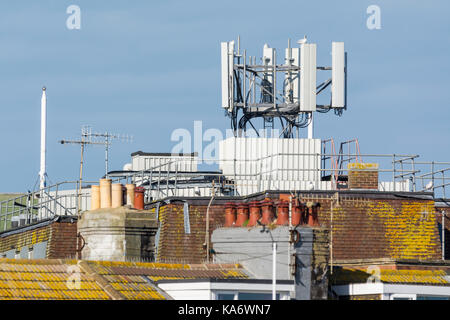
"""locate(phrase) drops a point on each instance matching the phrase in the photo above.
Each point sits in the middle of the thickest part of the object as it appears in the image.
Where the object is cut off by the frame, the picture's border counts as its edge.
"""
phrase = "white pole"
(274, 272)
(311, 127)
(43, 138)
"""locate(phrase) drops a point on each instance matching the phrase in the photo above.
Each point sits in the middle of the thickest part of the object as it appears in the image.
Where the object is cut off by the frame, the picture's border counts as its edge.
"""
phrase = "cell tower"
(286, 91)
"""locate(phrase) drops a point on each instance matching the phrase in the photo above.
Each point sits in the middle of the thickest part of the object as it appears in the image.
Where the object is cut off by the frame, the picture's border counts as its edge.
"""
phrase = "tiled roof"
(72, 279)
(410, 276)
(45, 279)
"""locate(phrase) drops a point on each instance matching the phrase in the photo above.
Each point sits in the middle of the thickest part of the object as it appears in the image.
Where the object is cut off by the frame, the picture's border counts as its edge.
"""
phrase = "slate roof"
(74, 279)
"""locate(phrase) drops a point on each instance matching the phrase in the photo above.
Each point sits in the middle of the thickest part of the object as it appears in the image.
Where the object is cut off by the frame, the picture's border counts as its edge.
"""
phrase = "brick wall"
(175, 244)
(63, 242)
(446, 210)
(363, 176)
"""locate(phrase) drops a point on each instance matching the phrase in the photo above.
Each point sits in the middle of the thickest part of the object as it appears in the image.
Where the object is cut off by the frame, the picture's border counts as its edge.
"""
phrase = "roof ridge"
(101, 281)
(30, 261)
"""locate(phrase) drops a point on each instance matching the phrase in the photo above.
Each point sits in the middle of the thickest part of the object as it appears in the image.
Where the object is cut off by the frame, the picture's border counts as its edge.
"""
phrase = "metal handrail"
(38, 205)
(159, 183)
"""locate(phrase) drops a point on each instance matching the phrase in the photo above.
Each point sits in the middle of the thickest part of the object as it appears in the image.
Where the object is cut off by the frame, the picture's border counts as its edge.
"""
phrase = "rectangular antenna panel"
(308, 70)
(268, 57)
(227, 60)
(293, 79)
(338, 75)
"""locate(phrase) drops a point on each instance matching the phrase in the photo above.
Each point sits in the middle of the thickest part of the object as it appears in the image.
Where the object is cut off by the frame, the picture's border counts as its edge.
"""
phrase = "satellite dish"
(429, 185)
(310, 185)
(128, 167)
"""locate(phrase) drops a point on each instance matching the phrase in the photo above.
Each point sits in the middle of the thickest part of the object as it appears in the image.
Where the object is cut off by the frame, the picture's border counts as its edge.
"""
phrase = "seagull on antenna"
(302, 41)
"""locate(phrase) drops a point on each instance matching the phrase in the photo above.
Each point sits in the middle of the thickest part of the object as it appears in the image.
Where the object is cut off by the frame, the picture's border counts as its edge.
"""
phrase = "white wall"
(206, 290)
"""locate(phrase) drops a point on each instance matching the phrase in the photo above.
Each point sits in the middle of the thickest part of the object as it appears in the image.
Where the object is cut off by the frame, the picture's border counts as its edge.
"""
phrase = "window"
(256, 296)
(398, 296)
(432, 298)
(233, 295)
(225, 296)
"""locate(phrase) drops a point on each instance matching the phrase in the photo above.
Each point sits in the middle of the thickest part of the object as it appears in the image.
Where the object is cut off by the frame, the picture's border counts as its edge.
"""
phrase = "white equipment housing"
(257, 164)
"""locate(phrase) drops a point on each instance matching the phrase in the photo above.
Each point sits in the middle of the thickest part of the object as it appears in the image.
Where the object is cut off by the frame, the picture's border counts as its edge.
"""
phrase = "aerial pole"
(311, 127)
(42, 171)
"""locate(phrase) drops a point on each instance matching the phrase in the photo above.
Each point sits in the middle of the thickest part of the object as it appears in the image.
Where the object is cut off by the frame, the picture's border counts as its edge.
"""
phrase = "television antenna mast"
(86, 139)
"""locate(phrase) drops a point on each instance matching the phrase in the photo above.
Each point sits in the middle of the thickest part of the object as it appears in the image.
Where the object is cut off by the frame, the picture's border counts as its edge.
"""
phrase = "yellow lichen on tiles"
(142, 295)
(152, 265)
(157, 278)
(410, 230)
(233, 274)
(18, 241)
(357, 275)
(414, 276)
(362, 166)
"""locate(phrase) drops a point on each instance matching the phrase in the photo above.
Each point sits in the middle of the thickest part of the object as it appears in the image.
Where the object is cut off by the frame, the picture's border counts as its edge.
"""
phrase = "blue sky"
(148, 67)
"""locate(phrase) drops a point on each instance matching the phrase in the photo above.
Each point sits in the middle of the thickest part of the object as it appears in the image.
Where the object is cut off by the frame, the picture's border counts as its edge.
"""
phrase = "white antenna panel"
(292, 79)
(338, 75)
(268, 59)
(268, 54)
(308, 69)
(227, 60)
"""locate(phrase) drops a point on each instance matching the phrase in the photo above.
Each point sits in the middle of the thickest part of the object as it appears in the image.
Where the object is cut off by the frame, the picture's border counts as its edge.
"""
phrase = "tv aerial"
(91, 138)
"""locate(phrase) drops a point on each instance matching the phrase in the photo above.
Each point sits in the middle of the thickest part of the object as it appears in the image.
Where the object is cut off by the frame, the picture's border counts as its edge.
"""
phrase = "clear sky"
(146, 68)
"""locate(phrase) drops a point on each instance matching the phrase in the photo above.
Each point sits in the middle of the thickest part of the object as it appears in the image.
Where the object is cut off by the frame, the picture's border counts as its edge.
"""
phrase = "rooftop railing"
(273, 172)
(60, 199)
